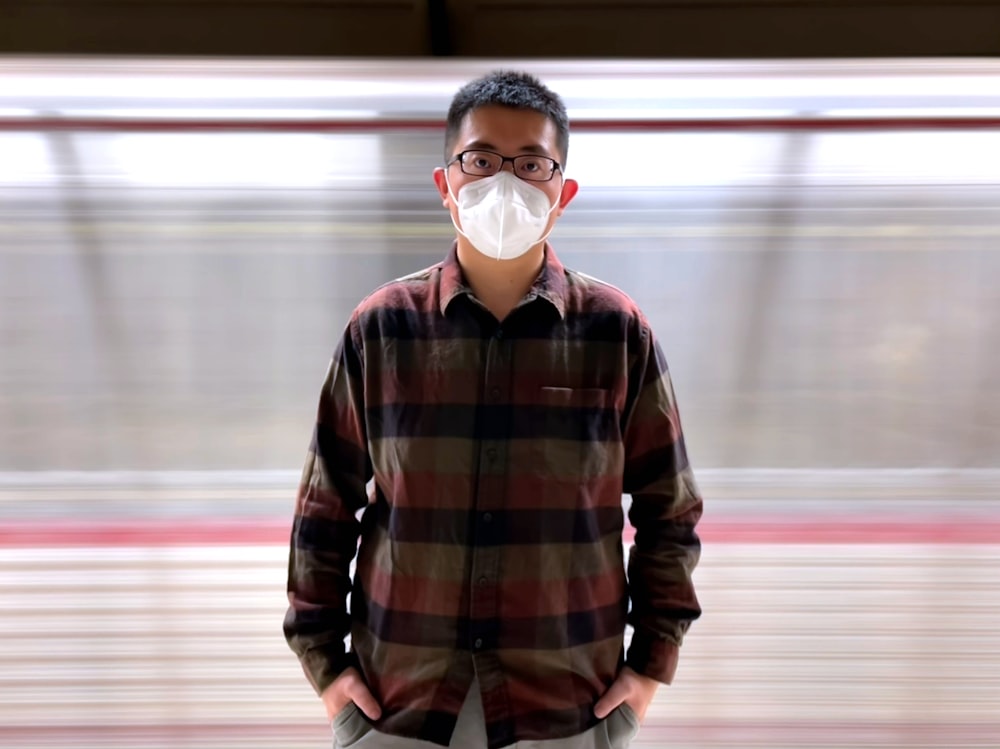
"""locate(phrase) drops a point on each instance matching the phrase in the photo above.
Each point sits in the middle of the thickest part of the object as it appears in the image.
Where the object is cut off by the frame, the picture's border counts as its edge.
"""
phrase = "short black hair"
(507, 88)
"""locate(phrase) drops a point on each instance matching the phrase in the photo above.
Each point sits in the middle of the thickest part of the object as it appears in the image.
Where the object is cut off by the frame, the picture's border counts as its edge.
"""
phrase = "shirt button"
(499, 334)
(491, 454)
(483, 580)
(495, 394)
(478, 643)
(487, 517)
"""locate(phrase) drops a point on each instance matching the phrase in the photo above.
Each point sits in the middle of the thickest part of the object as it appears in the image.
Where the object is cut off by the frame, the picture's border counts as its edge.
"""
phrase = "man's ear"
(569, 190)
(441, 182)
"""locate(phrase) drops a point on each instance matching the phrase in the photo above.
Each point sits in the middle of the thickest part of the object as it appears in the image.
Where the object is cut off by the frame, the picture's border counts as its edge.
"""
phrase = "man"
(502, 404)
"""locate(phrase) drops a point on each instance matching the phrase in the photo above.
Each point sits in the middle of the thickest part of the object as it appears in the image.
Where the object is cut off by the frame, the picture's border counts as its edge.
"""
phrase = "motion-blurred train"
(814, 243)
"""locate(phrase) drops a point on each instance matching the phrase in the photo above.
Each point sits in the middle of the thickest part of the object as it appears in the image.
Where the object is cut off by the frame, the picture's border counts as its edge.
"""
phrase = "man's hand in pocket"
(630, 687)
(346, 688)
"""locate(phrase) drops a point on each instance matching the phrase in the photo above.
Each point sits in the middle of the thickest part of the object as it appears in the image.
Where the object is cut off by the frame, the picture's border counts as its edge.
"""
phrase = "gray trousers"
(350, 730)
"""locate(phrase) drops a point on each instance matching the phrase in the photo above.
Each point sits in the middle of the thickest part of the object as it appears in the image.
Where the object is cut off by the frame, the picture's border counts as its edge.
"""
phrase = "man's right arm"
(325, 530)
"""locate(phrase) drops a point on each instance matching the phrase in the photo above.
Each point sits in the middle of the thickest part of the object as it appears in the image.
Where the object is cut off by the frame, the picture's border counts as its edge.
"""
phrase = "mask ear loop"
(455, 201)
(549, 213)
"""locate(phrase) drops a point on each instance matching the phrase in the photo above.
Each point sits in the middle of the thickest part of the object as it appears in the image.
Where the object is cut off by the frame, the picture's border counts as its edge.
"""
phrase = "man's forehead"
(508, 130)
(494, 122)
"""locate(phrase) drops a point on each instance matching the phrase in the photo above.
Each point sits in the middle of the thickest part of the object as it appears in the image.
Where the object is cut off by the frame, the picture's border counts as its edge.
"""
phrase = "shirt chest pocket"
(575, 433)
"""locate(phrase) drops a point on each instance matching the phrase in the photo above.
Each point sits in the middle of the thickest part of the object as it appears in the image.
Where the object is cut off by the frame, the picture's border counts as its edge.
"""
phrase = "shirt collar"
(550, 284)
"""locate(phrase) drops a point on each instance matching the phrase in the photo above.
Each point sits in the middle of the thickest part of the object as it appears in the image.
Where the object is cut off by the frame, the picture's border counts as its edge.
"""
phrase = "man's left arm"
(666, 506)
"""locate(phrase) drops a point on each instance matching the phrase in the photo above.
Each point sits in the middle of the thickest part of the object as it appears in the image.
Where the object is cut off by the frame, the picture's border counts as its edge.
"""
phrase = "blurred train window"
(674, 159)
(746, 159)
(25, 160)
(942, 157)
(235, 160)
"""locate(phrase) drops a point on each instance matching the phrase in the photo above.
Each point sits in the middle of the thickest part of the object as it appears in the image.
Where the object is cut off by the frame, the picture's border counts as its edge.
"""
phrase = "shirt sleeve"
(665, 508)
(325, 530)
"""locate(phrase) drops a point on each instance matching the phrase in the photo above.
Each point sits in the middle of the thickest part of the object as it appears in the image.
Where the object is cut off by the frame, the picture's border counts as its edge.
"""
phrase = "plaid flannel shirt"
(491, 543)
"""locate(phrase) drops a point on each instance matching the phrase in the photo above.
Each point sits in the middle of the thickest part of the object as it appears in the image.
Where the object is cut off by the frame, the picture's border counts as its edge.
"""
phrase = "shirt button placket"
(489, 500)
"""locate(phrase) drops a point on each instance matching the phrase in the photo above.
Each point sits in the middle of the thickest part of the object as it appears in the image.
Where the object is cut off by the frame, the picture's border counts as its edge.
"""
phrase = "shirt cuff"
(653, 657)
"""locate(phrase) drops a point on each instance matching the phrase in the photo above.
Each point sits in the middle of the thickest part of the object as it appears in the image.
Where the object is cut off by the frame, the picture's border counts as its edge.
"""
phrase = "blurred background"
(814, 241)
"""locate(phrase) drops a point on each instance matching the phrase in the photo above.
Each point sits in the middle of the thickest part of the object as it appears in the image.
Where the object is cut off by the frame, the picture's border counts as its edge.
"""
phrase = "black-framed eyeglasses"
(531, 167)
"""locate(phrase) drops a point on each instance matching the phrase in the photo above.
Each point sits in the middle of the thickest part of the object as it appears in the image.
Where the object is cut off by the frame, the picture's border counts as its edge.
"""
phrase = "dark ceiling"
(504, 28)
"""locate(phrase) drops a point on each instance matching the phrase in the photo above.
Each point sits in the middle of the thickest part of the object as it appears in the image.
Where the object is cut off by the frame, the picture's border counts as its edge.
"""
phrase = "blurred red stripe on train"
(732, 530)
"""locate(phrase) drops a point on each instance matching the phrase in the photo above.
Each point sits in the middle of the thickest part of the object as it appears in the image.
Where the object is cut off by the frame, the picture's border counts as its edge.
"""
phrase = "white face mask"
(502, 216)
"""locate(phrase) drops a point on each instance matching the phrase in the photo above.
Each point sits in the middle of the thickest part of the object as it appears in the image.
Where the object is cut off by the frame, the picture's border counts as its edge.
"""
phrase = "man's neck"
(500, 284)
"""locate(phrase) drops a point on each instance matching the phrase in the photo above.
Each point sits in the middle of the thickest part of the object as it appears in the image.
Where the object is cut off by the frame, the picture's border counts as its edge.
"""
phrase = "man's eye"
(534, 167)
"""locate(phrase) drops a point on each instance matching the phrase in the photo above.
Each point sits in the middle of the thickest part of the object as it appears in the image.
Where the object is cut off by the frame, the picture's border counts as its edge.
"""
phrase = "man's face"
(510, 132)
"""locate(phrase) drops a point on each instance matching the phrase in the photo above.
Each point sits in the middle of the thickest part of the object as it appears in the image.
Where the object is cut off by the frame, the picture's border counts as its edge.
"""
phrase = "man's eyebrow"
(482, 145)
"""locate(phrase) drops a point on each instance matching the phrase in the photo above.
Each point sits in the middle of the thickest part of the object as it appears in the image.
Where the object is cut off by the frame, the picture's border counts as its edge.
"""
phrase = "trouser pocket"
(349, 727)
(622, 726)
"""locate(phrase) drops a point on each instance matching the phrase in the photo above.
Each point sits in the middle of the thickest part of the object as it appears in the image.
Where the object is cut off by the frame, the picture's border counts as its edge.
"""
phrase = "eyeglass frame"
(556, 166)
